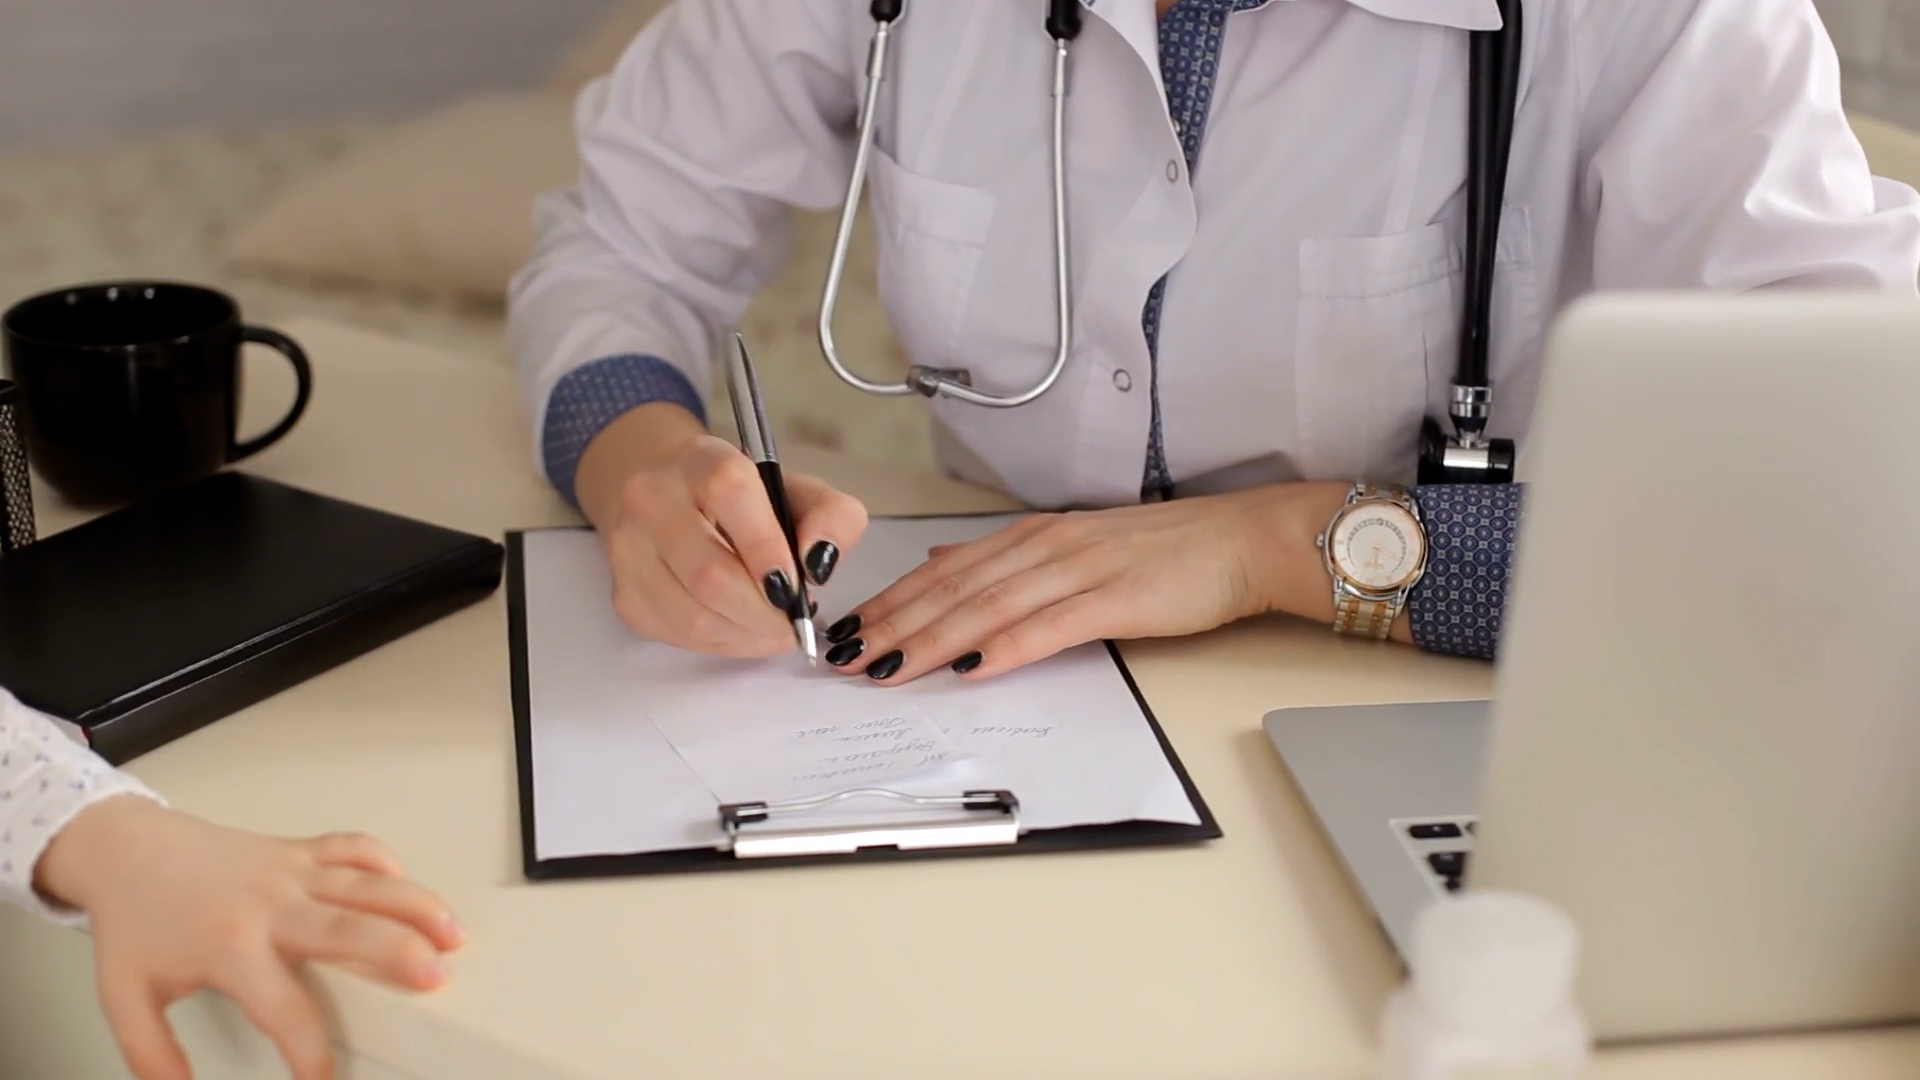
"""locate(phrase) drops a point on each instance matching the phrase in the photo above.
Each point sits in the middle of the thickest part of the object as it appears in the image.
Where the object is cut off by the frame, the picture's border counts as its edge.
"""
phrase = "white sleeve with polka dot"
(45, 779)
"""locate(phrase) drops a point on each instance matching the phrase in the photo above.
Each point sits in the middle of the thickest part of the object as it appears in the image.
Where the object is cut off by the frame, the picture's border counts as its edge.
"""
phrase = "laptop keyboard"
(1440, 847)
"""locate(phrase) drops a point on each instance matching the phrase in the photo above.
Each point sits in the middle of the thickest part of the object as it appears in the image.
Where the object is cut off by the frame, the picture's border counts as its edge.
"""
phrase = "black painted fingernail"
(844, 629)
(779, 590)
(821, 559)
(886, 665)
(846, 652)
(968, 662)
(813, 608)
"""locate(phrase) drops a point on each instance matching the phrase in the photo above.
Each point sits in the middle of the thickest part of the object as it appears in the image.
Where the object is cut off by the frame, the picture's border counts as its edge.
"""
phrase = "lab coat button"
(1173, 171)
(1122, 381)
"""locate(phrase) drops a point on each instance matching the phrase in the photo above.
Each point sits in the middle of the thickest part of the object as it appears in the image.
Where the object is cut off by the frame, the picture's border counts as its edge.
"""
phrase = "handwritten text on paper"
(852, 738)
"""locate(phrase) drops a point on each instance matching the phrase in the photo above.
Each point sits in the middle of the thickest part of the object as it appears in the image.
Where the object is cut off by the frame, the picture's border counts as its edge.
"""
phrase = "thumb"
(828, 522)
(136, 1015)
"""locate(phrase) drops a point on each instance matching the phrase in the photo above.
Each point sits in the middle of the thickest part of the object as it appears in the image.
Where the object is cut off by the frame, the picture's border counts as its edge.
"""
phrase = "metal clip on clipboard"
(992, 817)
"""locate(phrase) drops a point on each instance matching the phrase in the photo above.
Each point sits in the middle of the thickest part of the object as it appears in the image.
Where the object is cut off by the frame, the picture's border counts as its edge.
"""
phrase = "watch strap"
(1360, 616)
(1391, 492)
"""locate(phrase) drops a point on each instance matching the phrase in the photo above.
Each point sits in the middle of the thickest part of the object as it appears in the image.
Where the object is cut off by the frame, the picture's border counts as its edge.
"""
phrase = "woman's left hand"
(1050, 582)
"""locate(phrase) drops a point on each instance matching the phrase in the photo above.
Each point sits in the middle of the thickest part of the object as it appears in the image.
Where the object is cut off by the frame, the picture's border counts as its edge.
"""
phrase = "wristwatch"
(1376, 551)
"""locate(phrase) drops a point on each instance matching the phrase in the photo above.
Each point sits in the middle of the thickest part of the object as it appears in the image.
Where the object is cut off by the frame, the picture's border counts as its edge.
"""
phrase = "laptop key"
(1440, 831)
(1450, 864)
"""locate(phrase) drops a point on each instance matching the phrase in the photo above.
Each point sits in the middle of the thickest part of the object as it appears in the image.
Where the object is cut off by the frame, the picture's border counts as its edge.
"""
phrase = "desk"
(1249, 958)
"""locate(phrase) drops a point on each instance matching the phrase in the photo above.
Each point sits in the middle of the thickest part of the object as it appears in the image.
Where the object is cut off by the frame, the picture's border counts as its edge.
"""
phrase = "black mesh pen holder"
(16, 491)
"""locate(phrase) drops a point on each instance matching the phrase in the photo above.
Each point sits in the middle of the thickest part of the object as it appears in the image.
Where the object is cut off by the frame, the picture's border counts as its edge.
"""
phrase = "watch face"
(1377, 546)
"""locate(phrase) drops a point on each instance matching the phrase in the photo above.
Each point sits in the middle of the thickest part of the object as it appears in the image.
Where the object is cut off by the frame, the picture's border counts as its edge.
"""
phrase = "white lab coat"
(1311, 318)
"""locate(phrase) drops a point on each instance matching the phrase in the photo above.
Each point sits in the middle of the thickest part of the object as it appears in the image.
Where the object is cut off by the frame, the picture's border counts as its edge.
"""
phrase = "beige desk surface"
(1249, 958)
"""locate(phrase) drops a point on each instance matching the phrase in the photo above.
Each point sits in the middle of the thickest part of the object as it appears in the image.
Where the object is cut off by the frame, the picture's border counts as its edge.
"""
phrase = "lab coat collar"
(1456, 14)
(1136, 22)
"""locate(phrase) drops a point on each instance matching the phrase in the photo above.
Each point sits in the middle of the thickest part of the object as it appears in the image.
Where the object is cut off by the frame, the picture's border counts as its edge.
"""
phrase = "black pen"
(756, 440)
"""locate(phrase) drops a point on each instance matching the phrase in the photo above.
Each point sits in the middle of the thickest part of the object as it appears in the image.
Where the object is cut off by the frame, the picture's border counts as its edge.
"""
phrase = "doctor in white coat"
(1266, 217)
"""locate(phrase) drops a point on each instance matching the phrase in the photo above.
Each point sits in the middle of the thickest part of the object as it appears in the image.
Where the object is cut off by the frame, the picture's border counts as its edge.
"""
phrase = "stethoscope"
(1466, 456)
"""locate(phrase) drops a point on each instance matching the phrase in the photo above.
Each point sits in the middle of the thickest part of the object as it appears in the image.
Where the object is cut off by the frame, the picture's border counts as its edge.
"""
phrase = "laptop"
(1704, 735)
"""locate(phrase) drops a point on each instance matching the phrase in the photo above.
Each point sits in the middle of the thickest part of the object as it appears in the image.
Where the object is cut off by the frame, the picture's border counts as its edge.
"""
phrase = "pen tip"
(808, 640)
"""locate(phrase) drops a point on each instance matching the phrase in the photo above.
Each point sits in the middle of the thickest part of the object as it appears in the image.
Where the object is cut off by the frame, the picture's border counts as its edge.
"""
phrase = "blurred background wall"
(1879, 46)
(76, 72)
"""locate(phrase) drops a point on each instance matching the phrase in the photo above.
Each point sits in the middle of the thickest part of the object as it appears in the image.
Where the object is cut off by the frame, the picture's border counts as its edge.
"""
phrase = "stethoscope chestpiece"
(1448, 460)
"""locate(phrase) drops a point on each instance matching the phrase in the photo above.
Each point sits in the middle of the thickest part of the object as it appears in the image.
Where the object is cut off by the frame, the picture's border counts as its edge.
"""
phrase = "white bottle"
(1492, 994)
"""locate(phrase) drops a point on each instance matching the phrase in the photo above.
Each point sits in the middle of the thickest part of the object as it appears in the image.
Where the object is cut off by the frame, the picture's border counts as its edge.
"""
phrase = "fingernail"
(968, 662)
(846, 652)
(886, 665)
(779, 590)
(813, 608)
(432, 971)
(821, 559)
(453, 928)
(843, 629)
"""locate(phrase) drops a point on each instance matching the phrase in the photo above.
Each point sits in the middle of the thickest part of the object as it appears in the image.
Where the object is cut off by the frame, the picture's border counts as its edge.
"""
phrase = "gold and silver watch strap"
(1361, 617)
(1367, 489)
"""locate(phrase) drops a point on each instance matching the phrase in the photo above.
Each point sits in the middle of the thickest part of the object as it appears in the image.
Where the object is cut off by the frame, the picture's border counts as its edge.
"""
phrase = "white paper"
(1066, 735)
(753, 747)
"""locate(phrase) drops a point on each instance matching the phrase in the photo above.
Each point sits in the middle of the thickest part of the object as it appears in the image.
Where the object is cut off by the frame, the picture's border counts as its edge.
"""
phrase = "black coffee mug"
(130, 388)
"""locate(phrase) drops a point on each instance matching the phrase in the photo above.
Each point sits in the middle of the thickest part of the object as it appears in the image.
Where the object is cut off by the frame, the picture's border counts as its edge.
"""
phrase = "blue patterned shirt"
(1457, 606)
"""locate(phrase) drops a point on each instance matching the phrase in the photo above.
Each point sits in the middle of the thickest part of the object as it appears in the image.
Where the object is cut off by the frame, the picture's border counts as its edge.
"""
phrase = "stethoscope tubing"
(1062, 25)
(1496, 72)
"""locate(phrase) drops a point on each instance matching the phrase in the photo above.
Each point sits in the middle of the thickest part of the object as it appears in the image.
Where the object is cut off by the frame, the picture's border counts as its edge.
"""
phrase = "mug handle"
(302, 371)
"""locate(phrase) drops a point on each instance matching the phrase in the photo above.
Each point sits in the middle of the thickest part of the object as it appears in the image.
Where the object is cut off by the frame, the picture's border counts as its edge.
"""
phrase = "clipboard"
(769, 834)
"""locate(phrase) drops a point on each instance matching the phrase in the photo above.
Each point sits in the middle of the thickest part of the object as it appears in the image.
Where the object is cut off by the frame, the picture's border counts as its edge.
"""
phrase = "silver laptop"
(1704, 741)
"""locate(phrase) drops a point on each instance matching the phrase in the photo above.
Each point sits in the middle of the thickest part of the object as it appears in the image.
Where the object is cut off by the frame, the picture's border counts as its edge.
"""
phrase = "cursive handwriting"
(1010, 731)
(922, 751)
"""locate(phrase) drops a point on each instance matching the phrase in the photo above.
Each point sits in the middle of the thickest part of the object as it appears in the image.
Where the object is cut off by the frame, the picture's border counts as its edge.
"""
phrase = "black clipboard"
(1119, 835)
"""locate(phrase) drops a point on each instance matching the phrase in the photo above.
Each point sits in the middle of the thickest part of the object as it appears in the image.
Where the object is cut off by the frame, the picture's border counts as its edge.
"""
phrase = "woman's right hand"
(699, 560)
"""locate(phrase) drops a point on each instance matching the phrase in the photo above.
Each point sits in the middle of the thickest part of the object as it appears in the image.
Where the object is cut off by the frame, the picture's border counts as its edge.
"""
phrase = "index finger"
(830, 522)
(137, 1017)
(740, 504)
(356, 850)
(393, 898)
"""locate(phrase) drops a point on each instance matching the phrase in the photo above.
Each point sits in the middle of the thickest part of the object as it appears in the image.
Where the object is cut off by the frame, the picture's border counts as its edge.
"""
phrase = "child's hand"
(178, 904)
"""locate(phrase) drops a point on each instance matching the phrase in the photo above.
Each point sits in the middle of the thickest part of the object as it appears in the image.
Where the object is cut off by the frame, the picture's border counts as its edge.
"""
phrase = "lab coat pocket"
(929, 235)
(1376, 342)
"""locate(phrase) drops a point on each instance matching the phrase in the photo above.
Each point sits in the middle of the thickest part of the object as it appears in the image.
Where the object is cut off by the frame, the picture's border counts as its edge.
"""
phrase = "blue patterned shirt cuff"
(1457, 607)
(594, 395)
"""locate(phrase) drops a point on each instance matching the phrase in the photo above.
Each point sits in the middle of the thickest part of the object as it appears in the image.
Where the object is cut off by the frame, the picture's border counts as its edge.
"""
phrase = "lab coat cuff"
(594, 395)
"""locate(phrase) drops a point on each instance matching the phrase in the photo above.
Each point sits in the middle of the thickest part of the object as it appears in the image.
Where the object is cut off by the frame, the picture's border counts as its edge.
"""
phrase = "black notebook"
(152, 621)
